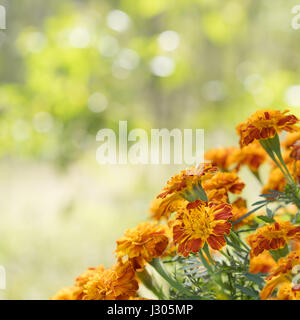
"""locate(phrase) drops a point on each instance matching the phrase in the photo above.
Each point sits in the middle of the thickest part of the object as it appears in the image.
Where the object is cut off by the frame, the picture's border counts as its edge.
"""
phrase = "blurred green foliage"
(69, 68)
(232, 56)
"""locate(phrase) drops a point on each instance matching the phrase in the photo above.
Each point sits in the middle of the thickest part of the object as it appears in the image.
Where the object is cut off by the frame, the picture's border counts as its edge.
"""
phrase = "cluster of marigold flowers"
(195, 209)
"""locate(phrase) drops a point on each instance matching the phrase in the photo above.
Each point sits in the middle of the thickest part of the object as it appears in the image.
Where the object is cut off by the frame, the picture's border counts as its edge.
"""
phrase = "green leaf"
(270, 213)
(255, 278)
(247, 291)
(266, 219)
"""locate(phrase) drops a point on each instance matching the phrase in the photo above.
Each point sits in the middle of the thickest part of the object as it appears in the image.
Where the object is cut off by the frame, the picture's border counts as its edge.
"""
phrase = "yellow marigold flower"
(163, 208)
(280, 274)
(75, 292)
(264, 124)
(263, 263)
(117, 283)
(288, 291)
(86, 275)
(186, 179)
(70, 293)
(220, 157)
(220, 184)
(272, 237)
(239, 209)
(202, 222)
(143, 243)
(252, 156)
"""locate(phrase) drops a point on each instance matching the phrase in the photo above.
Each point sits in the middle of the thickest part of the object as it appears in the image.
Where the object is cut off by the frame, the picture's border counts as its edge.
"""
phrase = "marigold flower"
(252, 156)
(202, 222)
(76, 292)
(220, 184)
(143, 243)
(288, 291)
(186, 179)
(239, 209)
(220, 157)
(163, 208)
(117, 283)
(272, 237)
(263, 263)
(280, 274)
(264, 124)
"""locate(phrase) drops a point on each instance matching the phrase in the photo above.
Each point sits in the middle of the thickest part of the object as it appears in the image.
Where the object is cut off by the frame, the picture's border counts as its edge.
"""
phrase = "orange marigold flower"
(87, 275)
(220, 184)
(263, 263)
(280, 274)
(220, 157)
(252, 156)
(117, 283)
(76, 292)
(288, 291)
(264, 124)
(202, 222)
(143, 243)
(186, 179)
(163, 208)
(272, 237)
(239, 209)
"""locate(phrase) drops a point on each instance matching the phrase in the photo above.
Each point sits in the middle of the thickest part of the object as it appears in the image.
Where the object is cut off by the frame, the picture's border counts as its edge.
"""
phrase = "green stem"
(237, 238)
(147, 281)
(204, 262)
(157, 265)
(268, 148)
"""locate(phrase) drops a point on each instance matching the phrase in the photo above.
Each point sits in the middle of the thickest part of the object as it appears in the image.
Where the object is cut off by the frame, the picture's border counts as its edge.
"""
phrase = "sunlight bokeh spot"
(162, 66)
(79, 38)
(97, 102)
(128, 59)
(118, 20)
(169, 40)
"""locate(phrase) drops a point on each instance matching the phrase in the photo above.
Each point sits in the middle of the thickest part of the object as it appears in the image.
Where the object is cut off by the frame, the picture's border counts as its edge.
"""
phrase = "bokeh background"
(70, 68)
